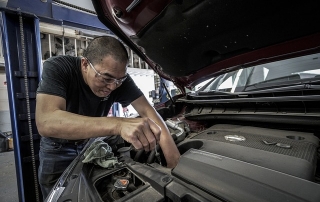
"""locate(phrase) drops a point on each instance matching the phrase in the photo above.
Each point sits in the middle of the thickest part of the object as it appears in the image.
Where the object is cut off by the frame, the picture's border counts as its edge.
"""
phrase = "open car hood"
(189, 41)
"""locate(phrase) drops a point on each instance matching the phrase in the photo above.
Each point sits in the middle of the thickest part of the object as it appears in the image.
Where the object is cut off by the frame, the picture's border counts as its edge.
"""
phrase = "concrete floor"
(8, 180)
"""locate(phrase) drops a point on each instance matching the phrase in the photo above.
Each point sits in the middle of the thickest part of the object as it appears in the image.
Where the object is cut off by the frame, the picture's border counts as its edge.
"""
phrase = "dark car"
(249, 133)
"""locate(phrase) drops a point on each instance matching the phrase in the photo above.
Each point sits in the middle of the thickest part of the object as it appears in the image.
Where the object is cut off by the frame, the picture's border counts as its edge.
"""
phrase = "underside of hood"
(192, 40)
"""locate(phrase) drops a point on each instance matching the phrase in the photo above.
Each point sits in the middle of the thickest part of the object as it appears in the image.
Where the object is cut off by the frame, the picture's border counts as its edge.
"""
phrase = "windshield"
(266, 75)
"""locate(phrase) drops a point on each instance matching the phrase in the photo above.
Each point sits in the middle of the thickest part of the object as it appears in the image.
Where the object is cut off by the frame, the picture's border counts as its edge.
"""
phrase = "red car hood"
(192, 40)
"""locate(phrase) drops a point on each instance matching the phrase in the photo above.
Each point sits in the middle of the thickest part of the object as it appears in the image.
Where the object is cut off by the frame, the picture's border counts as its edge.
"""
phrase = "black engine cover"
(289, 152)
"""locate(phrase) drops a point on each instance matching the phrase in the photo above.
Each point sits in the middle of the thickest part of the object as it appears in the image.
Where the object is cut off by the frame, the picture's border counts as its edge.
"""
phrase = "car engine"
(221, 160)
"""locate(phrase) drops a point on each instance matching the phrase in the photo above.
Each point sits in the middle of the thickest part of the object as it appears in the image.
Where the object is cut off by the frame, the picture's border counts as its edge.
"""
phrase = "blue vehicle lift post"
(22, 54)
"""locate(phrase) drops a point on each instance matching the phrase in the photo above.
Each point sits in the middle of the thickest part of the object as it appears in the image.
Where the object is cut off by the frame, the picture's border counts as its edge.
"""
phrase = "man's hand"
(142, 133)
(168, 146)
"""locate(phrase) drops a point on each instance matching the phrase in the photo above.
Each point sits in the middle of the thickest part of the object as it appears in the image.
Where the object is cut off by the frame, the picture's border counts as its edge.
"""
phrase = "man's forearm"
(167, 144)
(66, 125)
(169, 148)
(142, 133)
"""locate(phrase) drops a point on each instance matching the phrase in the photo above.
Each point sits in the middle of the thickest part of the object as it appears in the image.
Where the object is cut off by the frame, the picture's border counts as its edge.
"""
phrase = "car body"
(250, 133)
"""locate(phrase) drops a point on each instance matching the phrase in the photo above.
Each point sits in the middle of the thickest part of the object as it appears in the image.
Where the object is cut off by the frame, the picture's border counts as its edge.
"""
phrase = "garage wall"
(144, 79)
(5, 123)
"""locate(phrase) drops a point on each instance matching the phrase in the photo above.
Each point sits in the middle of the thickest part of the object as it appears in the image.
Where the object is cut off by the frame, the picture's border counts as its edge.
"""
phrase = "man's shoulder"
(62, 62)
(63, 58)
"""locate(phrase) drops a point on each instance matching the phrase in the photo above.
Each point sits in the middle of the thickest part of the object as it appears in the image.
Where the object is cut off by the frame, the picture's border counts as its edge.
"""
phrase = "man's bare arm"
(167, 143)
(53, 121)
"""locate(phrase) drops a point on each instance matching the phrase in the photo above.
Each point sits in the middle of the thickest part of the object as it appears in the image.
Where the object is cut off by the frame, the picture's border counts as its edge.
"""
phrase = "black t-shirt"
(61, 76)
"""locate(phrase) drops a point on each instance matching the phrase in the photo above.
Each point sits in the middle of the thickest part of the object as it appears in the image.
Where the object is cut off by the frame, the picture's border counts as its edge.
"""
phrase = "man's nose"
(112, 86)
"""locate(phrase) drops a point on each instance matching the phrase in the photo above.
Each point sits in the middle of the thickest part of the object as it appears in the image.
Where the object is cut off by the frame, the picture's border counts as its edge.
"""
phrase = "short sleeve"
(54, 79)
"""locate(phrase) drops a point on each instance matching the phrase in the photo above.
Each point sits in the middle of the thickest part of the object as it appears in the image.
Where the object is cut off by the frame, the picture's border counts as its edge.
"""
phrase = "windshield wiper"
(214, 92)
(309, 83)
(271, 82)
(280, 88)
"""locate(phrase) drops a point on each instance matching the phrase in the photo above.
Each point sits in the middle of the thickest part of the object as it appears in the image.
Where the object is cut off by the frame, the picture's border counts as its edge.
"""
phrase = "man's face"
(104, 77)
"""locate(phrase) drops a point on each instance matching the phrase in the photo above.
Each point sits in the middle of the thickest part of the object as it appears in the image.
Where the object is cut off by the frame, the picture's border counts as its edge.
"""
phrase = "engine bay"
(220, 161)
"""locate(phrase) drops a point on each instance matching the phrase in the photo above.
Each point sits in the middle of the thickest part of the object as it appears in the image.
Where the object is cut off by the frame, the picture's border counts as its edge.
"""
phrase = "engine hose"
(151, 157)
(138, 155)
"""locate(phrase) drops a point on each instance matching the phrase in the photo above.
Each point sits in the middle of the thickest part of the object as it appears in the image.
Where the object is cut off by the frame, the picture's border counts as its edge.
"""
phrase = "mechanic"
(73, 101)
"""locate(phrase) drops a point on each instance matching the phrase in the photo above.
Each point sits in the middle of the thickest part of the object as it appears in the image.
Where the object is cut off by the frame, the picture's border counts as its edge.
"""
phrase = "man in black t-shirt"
(73, 101)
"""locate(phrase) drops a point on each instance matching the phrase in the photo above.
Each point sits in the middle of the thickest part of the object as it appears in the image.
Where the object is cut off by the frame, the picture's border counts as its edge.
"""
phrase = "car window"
(305, 67)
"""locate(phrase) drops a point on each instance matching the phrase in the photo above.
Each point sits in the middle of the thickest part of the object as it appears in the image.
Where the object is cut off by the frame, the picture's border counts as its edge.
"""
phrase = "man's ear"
(84, 64)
